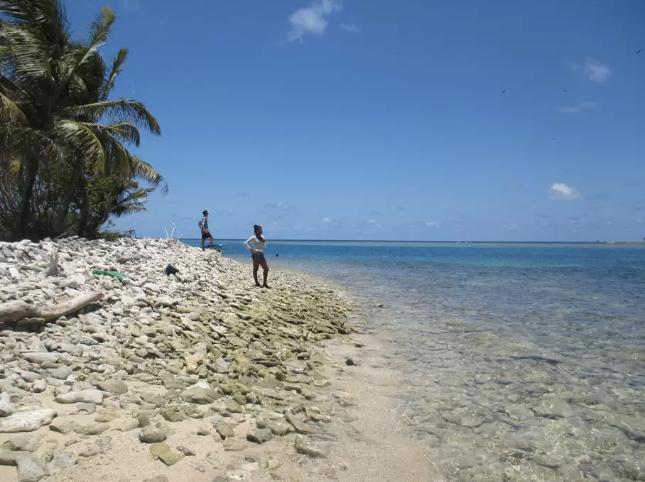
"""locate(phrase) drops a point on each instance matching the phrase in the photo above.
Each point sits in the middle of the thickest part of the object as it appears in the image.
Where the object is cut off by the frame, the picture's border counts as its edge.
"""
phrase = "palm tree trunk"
(31, 172)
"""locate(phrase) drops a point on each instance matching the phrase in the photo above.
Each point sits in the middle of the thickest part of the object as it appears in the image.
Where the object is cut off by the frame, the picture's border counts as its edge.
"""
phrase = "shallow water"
(519, 361)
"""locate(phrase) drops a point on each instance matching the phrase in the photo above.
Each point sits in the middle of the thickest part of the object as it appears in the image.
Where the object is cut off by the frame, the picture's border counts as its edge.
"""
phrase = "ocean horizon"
(313, 240)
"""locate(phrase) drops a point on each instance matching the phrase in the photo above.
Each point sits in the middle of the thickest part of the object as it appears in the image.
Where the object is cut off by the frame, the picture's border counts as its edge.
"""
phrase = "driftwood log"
(18, 310)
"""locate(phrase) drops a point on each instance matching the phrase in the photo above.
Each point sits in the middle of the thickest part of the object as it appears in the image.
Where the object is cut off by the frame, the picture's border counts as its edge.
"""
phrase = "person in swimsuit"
(256, 244)
(203, 226)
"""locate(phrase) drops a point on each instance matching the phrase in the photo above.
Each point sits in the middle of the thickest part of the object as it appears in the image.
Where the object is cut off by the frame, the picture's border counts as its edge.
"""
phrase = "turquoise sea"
(519, 361)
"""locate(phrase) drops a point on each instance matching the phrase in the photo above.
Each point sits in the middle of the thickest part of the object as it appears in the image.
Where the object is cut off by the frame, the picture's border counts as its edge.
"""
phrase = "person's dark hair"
(204, 212)
(256, 230)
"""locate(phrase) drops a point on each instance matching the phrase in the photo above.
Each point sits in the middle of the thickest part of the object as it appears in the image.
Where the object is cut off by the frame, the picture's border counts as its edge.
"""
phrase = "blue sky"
(412, 120)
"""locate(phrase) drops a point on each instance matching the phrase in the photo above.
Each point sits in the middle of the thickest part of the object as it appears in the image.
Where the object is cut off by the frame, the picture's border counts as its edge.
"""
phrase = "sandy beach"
(194, 376)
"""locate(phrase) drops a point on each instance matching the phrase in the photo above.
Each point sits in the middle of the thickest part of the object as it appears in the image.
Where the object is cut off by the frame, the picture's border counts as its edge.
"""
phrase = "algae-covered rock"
(199, 395)
(166, 454)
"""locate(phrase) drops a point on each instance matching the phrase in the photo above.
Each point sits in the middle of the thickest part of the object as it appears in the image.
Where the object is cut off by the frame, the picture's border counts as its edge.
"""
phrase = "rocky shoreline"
(190, 376)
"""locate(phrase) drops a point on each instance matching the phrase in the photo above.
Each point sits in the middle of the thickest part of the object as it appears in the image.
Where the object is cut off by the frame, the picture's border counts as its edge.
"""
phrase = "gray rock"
(89, 450)
(87, 396)
(6, 407)
(259, 436)
(299, 425)
(30, 376)
(279, 427)
(27, 421)
(30, 469)
(22, 443)
(303, 447)
(85, 408)
(8, 458)
(185, 450)
(91, 429)
(115, 387)
(234, 444)
(225, 430)
(199, 395)
(172, 414)
(39, 386)
(41, 357)
(62, 426)
(152, 434)
(65, 459)
(126, 424)
(61, 373)
(232, 406)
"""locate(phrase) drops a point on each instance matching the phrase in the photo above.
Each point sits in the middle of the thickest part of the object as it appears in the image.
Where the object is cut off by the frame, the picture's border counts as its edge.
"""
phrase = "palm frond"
(10, 112)
(98, 35)
(15, 166)
(131, 202)
(25, 55)
(120, 131)
(145, 171)
(47, 16)
(117, 67)
(118, 110)
(84, 140)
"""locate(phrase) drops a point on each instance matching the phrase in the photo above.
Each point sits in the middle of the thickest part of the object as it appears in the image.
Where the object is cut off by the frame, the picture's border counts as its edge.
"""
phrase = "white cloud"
(433, 224)
(595, 71)
(579, 107)
(563, 192)
(325, 220)
(311, 19)
(375, 224)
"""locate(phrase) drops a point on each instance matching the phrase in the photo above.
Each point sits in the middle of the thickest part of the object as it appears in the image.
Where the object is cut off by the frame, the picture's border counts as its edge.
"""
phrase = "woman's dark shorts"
(258, 257)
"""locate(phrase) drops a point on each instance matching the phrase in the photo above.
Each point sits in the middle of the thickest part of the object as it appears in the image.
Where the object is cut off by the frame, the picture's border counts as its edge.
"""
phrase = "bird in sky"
(639, 51)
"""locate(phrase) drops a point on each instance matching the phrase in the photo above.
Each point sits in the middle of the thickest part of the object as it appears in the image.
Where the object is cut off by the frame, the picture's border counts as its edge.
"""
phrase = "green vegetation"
(65, 167)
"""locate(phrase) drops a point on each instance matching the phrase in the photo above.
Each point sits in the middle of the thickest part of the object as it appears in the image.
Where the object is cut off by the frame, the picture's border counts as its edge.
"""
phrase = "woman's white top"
(254, 244)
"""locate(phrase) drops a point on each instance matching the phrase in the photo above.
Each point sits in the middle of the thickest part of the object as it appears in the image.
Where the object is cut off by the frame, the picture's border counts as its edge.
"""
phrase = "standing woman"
(256, 245)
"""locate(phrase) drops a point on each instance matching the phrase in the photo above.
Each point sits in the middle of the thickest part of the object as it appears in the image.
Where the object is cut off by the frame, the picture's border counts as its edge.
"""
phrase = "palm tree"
(61, 136)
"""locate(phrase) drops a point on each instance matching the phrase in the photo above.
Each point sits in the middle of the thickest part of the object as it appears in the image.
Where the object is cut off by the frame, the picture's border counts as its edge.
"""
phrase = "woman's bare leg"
(265, 269)
(256, 265)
